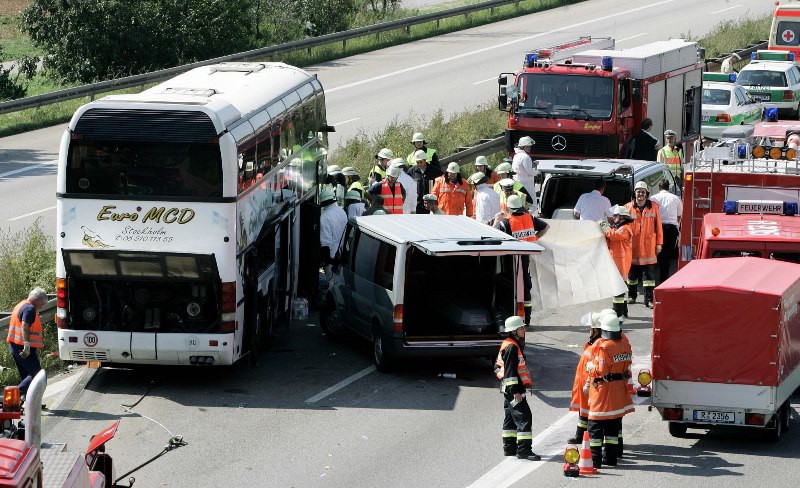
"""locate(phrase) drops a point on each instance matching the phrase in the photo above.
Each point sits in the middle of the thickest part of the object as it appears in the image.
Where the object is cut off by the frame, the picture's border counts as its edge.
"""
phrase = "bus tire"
(266, 319)
(329, 320)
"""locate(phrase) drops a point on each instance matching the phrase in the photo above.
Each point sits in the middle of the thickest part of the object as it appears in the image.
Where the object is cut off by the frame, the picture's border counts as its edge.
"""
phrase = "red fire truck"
(737, 206)
(582, 98)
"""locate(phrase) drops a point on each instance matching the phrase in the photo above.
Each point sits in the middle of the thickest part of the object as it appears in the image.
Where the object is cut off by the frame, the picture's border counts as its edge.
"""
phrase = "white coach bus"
(183, 212)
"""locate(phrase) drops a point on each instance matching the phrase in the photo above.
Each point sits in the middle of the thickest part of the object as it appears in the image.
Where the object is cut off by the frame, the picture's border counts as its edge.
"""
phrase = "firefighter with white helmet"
(580, 384)
(352, 181)
(424, 175)
(390, 190)
(336, 181)
(525, 168)
(453, 192)
(487, 201)
(409, 185)
(382, 159)
(619, 238)
(482, 166)
(504, 172)
(418, 140)
(648, 238)
(609, 399)
(353, 204)
(511, 369)
(332, 224)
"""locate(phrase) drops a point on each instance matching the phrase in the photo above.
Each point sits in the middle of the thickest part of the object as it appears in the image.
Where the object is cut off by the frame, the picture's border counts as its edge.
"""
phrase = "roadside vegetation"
(730, 35)
(27, 260)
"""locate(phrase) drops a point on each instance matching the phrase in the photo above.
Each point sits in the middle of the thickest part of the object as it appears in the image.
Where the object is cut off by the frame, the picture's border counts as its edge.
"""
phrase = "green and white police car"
(773, 79)
(725, 104)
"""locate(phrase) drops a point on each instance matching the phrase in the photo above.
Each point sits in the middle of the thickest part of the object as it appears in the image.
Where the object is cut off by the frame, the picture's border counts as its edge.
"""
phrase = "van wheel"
(329, 320)
(786, 415)
(380, 356)
(677, 429)
(774, 433)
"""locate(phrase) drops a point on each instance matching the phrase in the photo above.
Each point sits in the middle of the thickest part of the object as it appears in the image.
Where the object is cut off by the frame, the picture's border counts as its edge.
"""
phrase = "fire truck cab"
(584, 99)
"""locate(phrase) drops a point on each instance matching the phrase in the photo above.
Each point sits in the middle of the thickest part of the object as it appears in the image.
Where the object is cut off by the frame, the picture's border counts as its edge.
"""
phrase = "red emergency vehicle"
(582, 98)
(759, 195)
(785, 31)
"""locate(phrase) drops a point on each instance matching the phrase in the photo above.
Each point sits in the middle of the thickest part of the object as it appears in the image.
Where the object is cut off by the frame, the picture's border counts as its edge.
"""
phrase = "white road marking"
(27, 168)
(484, 81)
(341, 384)
(725, 9)
(497, 46)
(632, 37)
(346, 121)
(549, 444)
(32, 213)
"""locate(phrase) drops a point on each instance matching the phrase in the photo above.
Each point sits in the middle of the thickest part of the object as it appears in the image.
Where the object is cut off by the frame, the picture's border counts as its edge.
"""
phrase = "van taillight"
(788, 95)
(228, 308)
(397, 319)
(521, 310)
(755, 419)
(673, 414)
(61, 303)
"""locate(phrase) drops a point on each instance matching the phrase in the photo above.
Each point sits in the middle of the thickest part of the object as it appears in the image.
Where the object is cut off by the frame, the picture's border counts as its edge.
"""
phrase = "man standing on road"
(391, 190)
(25, 336)
(525, 169)
(619, 238)
(423, 175)
(671, 155)
(609, 399)
(648, 238)
(594, 205)
(511, 370)
(646, 144)
(671, 210)
(580, 385)
(487, 201)
(332, 224)
(455, 197)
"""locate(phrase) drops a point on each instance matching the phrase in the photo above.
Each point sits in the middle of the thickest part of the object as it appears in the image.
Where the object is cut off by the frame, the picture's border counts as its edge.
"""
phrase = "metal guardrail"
(51, 305)
(714, 64)
(485, 147)
(139, 80)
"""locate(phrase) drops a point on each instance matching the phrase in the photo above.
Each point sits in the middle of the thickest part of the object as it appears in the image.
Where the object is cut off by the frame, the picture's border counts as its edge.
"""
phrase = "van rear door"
(485, 246)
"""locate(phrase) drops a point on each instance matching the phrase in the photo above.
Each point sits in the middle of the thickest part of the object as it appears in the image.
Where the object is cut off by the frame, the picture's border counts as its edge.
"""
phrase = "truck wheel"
(774, 433)
(329, 320)
(786, 415)
(677, 429)
(380, 356)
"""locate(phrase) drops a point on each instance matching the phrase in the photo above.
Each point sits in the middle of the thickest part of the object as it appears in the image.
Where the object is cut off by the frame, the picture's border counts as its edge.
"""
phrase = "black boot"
(524, 451)
(597, 456)
(578, 436)
(509, 446)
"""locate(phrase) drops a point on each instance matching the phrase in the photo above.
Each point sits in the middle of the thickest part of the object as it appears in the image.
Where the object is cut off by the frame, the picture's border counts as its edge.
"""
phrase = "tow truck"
(584, 99)
(26, 462)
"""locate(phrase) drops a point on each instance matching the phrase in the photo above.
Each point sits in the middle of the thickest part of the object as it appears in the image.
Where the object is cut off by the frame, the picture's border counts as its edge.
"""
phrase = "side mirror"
(502, 99)
(502, 80)
(636, 91)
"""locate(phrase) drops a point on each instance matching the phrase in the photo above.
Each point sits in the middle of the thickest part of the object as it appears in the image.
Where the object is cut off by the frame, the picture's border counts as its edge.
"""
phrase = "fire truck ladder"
(566, 50)
(701, 205)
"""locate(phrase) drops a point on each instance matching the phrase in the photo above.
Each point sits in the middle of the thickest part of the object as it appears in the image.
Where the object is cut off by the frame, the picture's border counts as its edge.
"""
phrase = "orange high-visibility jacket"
(511, 379)
(454, 198)
(15, 329)
(647, 233)
(609, 397)
(580, 402)
(619, 242)
(392, 201)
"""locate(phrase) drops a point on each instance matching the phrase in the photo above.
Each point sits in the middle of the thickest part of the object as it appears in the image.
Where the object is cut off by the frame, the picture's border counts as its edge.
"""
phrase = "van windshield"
(565, 96)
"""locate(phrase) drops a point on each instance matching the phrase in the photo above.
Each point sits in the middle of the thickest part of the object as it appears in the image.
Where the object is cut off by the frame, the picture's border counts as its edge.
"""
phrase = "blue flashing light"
(732, 77)
(530, 59)
(730, 207)
(607, 63)
(753, 56)
(790, 56)
(790, 208)
(771, 114)
(741, 152)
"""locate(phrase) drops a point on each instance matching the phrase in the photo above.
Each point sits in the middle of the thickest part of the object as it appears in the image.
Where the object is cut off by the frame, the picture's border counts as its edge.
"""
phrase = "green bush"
(27, 260)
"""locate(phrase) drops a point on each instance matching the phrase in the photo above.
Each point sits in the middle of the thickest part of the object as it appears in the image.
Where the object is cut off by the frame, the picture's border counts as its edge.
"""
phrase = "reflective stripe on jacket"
(522, 227)
(15, 329)
(610, 399)
(411, 161)
(672, 159)
(509, 378)
(392, 200)
(454, 198)
(647, 233)
(619, 242)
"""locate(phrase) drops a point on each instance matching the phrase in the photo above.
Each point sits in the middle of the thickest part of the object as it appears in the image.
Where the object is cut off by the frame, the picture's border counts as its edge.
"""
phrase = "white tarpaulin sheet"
(575, 267)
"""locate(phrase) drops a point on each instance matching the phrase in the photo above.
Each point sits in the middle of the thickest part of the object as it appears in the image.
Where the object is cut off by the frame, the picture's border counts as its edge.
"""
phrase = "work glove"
(26, 350)
(589, 366)
(586, 388)
(604, 225)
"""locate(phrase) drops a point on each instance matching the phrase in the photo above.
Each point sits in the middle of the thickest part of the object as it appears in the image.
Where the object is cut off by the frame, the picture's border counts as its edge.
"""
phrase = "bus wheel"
(266, 320)
(329, 320)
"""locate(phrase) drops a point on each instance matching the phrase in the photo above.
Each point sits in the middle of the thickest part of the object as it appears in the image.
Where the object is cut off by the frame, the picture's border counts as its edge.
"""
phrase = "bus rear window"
(142, 168)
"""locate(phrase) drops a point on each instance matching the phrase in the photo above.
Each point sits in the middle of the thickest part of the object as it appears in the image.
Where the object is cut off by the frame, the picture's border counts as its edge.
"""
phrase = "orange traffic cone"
(585, 465)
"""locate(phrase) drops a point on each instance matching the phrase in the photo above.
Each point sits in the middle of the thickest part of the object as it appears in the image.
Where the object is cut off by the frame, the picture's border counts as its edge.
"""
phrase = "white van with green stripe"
(726, 104)
(773, 79)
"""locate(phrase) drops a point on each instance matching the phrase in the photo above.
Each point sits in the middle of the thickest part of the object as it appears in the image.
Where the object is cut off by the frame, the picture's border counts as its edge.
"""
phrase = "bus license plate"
(710, 416)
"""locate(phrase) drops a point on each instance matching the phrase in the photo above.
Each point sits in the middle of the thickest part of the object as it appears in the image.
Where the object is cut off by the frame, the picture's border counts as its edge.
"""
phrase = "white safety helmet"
(430, 197)
(349, 171)
(507, 183)
(417, 137)
(504, 168)
(621, 210)
(514, 202)
(352, 195)
(326, 195)
(453, 168)
(385, 153)
(586, 319)
(641, 185)
(525, 141)
(477, 178)
(482, 161)
(420, 155)
(394, 171)
(609, 324)
(399, 162)
(334, 169)
(513, 323)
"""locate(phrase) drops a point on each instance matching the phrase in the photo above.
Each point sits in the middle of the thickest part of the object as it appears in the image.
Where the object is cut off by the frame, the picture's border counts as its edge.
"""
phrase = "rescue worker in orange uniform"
(648, 238)
(512, 371)
(580, 392)
(25, 336)
(525, 227)
(391, 190)
(619, 237)
(453, 193)
(609, 399)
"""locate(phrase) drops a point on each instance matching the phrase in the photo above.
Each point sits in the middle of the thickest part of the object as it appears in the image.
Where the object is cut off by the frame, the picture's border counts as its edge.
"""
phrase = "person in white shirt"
(332, 224)
(671, 208)
(525, 169)
(487, 201)
(408, 184)
(594, 205)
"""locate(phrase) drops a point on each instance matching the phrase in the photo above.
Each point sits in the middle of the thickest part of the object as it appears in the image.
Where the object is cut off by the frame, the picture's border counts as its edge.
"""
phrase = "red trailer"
(713, 367)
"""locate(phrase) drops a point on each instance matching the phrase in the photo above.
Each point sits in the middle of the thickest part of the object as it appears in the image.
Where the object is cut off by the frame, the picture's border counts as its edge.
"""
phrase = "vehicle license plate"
(710, 416)
(761, 97)
(706, 118)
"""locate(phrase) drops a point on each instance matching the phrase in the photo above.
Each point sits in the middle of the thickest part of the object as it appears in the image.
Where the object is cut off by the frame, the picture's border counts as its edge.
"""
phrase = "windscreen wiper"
(576, 108)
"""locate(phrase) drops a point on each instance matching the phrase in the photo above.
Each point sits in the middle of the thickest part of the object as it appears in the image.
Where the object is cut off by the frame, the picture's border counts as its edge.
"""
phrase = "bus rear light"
(228, 298)
(788, 95)
(213, 343)
(673, 414)
(754, 419)
(61, 293)
(397, 318)
(73, 339)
